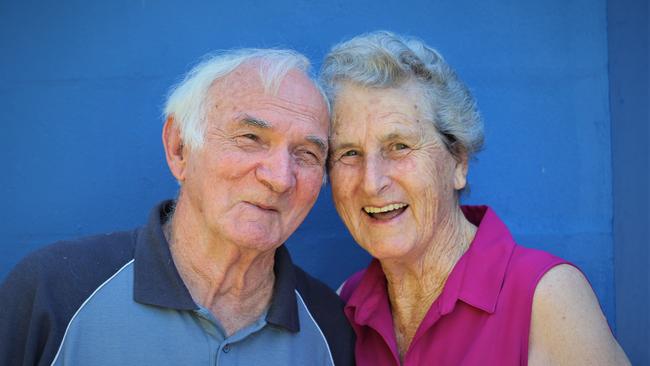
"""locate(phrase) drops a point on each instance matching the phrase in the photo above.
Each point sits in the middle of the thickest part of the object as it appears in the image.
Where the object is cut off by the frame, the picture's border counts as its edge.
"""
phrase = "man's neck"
(234, 283)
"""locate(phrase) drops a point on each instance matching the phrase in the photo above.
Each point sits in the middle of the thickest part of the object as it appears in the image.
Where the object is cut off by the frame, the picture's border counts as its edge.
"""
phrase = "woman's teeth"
(391, 207)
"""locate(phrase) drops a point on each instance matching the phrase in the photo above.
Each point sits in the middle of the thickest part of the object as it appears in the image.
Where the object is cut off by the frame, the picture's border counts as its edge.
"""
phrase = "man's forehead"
(249, 78)
(251, 75)
(243, 78)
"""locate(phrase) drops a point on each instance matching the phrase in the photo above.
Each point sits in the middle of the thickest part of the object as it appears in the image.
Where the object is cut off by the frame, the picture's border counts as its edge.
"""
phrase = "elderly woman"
(448, 285)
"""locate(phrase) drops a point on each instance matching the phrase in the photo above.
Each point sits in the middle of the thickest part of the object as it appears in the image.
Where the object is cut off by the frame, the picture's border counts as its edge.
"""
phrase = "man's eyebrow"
(322, 146)
(255, 122)
(259, 123)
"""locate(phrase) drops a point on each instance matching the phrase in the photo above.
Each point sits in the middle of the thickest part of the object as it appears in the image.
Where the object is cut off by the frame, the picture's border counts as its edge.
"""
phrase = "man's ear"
(460, 173)
(175, 150)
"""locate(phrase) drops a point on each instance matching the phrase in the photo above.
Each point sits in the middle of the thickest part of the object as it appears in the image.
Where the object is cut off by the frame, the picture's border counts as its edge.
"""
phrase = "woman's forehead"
(408, 99)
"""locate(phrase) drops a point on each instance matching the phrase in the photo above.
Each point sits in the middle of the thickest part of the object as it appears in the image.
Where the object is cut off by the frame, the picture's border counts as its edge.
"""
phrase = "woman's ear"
(460, 172)
(175, 150)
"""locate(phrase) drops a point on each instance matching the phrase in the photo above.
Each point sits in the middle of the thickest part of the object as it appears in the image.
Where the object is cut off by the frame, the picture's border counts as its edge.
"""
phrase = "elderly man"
(207, 280)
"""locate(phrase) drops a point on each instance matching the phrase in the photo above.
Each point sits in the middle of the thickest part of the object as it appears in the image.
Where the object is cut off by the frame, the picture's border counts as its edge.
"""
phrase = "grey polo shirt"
(117, 299)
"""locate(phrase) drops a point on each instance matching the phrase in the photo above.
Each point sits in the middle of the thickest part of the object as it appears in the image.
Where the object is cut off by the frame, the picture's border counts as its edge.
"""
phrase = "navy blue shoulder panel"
(327, 309)
(43, 292)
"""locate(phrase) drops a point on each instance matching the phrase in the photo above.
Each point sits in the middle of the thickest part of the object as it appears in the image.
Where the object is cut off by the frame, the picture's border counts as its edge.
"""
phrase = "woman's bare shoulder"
(568, 326)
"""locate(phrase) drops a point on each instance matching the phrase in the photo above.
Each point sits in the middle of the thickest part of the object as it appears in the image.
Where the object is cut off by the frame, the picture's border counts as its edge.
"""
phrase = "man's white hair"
(186, 101)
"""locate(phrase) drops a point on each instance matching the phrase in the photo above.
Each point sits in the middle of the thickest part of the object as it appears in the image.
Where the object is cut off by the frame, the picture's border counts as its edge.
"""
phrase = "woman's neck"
(415, 283)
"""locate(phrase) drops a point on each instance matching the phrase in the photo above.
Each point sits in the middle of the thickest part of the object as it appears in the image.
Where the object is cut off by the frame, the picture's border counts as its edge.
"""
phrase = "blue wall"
(628, 79)
(82, 84)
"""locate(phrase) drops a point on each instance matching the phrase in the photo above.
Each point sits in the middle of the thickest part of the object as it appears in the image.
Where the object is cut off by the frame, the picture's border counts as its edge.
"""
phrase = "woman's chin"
(388, 251)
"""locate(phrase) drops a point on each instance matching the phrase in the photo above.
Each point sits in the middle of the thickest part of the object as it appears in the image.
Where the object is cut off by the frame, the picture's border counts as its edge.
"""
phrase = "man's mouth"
(385, 212)
(264, 206)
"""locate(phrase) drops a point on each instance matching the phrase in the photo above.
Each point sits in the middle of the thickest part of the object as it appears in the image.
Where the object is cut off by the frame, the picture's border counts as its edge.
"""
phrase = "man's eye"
(251, 136)
(248, 141)
(351, 153)
(309, 157)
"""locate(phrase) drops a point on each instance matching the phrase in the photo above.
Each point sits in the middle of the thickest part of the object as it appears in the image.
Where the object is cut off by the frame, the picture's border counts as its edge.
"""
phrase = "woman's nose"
(375, 180)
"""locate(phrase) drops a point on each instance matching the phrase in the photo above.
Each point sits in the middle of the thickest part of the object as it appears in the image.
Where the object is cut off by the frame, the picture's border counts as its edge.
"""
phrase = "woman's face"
(392, 177)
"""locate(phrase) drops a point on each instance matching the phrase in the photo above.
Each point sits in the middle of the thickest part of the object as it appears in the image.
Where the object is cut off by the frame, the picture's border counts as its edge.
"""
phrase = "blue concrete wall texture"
(82, 84)
(630, 117)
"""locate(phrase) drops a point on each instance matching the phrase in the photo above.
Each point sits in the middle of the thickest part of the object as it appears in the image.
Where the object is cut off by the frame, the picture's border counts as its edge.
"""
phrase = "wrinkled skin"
(260, 169)
(385, 151)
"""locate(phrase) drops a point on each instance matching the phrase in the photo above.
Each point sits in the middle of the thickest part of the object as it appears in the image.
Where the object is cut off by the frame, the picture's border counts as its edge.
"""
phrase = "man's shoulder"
(326, 308)
(79, 259)
(42, 293)
(66, 272)
(314, 289)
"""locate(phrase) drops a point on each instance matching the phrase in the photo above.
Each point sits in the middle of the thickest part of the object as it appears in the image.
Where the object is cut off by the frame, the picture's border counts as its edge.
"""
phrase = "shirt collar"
(284, 307)
(158, 283)
(156, 280)
(483, 267)
(369, 306)
(368, 301)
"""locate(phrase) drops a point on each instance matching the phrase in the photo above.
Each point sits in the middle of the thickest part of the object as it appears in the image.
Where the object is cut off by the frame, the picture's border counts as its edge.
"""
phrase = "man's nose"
(375, 180)
(276, 171)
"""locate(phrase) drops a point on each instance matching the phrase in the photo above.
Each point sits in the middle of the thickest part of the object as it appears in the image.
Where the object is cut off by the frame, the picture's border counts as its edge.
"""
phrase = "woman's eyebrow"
(344, 145)
(393, 136)
(396, 135)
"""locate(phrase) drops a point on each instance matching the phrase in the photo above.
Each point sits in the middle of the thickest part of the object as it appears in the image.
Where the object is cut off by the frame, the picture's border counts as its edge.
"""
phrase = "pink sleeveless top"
(482, 316)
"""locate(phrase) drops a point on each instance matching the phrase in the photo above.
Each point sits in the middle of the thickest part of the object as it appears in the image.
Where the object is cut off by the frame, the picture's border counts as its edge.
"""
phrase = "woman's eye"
(349, 157)
(400, 146)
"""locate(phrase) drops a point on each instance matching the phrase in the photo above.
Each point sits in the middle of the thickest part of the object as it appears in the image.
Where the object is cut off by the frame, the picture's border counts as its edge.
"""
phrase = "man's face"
(261, 166)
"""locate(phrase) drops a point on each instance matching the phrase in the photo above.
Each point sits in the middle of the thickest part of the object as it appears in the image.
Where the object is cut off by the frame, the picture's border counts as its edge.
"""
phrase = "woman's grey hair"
(186, 101)
(385, 60)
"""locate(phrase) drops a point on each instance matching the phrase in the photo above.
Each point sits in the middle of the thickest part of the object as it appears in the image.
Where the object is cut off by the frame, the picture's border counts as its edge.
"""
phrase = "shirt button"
(226, 348)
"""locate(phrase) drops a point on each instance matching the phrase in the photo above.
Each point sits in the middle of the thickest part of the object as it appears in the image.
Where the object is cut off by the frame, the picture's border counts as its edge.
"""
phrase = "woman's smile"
(385, 213)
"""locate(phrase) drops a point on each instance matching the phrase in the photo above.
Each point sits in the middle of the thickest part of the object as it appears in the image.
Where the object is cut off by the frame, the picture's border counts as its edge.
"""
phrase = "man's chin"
(262, 241)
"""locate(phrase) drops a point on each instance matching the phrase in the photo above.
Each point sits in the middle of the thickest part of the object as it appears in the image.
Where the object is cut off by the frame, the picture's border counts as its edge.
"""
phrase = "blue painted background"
(629, 86)
(82, 84)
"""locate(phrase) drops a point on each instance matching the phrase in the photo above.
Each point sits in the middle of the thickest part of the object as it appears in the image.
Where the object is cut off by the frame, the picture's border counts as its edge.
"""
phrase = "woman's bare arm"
(568, 326)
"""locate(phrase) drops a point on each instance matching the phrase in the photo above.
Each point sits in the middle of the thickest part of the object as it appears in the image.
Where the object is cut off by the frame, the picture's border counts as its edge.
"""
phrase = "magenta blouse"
(482, 316)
